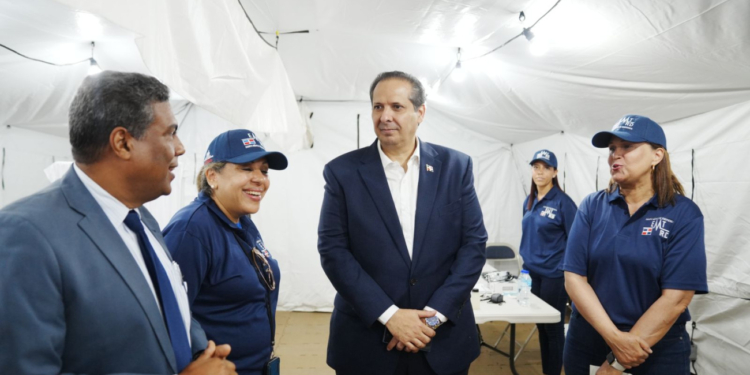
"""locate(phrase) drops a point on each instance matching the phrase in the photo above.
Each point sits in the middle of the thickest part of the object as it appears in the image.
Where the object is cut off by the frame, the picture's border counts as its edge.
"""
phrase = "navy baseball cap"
(632, 128)
(242, 146)
(547, 156)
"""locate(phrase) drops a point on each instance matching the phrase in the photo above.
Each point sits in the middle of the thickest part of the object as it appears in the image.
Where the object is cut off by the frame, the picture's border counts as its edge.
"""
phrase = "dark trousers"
(551, 336)
(584, 347)
(416, 364)
(413, 364)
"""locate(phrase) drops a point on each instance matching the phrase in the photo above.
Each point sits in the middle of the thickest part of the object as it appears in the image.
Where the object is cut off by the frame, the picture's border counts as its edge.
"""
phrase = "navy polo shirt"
(629, 260)
(226, 297)
(545, 232)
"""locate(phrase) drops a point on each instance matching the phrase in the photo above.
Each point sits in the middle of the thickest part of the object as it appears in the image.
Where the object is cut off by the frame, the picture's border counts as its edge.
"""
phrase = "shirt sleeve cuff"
(386, 316)
(440, 316)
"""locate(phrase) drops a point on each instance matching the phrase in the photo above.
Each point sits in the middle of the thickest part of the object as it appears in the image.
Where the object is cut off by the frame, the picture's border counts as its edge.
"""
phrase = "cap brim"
(543, 161)
(275, 159)
(601, 139)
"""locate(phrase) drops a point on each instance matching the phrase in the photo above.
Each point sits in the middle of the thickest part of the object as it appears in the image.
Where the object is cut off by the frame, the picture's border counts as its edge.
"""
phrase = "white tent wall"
(682, 63)
(24, 154)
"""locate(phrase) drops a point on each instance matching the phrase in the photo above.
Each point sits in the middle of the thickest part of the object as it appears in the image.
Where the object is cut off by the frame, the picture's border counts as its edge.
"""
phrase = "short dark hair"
(108, 100)
(417, 97)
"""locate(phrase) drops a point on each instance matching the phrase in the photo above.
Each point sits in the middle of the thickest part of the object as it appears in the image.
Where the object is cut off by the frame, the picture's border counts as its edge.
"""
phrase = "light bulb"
(94, 68)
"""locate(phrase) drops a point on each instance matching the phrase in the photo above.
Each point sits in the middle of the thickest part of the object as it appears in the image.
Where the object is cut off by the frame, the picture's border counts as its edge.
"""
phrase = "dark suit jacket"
(72, 298)
(364, 254)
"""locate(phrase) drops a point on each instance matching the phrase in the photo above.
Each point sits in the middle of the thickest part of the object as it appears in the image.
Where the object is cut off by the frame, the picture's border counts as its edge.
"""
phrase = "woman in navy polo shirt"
(232, 278)
(634, 260)
(548, 214)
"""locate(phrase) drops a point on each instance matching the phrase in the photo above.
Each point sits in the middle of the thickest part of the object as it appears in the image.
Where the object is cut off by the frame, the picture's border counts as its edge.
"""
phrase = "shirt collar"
(387, 161)
(209, 202)
(115, 210)
(551, 194)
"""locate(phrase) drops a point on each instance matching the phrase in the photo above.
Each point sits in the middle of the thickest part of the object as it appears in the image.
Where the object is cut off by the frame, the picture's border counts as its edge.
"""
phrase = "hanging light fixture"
(459, 73)
(536, 47)
(93, 65)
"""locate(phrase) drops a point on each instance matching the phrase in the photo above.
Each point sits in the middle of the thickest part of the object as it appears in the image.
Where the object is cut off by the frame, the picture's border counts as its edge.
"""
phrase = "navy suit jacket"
(72, 298)
(364, 254)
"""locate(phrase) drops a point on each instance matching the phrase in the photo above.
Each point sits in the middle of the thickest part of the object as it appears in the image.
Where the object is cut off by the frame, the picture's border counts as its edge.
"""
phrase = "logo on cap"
(251, 141)
(208, 158)
(543, 155)
(626, 123)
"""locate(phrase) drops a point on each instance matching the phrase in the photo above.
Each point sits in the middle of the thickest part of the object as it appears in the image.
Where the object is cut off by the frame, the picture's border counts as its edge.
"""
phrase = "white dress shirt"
(403, 185)
(116, 212)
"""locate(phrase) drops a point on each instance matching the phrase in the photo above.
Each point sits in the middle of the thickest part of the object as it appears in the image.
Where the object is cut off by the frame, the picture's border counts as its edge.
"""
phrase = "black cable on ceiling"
(442, 79)
(255, 28)
(517, 36)
(43, 61)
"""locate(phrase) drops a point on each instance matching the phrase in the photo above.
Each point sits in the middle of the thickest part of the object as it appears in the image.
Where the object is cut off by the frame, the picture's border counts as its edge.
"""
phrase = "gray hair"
(109, 100)
(417, 97)
(202, 181)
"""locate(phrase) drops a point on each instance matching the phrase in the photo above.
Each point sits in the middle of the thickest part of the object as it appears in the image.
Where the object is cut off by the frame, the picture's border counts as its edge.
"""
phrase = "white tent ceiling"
(685, 64)
(666, 59)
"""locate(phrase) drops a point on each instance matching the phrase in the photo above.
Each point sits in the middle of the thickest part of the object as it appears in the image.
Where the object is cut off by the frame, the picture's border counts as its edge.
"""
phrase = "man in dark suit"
(401, 238)
(86, 283)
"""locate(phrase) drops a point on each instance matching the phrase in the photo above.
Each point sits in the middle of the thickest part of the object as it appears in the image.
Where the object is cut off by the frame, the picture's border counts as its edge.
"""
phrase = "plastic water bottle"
(524, 288)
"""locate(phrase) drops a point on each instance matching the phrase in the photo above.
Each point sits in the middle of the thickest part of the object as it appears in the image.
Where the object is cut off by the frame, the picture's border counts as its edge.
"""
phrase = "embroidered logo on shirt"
(647, 231)
(658, 224)
(428, 167)
(548, 212)
(260, 246)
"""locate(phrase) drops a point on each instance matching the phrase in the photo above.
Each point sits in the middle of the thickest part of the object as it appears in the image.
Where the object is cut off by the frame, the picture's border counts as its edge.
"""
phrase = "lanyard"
(249, 253)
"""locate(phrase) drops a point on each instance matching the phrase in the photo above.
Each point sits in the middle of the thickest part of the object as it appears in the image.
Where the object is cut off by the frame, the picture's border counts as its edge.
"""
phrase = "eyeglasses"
(267, 272)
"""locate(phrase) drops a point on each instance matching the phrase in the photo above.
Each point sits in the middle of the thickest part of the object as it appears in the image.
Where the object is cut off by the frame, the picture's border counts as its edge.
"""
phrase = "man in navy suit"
(401, 238)
(86, 283)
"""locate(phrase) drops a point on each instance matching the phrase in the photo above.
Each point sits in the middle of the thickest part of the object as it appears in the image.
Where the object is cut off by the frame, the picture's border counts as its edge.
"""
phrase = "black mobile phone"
(387, 336)
(272, 367)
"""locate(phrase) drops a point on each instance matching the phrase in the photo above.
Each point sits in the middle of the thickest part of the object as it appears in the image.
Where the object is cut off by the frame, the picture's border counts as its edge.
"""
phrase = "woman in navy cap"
(231, 276)
(635, 258)
(548, 214)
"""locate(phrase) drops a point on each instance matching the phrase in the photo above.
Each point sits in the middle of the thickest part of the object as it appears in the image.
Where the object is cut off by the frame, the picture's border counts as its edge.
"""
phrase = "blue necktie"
(169, 307)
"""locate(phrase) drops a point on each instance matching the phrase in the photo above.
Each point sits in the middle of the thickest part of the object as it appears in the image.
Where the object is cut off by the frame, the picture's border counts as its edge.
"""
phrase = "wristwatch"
(612, 360)
(433, 322)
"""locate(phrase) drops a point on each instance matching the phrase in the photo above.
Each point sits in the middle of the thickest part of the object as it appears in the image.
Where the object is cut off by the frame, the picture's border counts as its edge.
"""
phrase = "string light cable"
(526, 31)
(90, 59)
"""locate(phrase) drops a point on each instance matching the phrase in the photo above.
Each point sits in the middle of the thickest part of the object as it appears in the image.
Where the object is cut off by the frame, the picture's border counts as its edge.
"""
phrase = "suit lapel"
(426, 193)
(106, 238)
(373, 175)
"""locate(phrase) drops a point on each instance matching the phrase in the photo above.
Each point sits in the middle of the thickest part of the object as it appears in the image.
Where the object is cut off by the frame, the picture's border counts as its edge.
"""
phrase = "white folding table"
(510, 311)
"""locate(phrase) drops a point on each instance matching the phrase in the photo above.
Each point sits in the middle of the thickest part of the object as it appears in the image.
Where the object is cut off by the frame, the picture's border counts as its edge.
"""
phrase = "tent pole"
(692, 174)
(357, 131)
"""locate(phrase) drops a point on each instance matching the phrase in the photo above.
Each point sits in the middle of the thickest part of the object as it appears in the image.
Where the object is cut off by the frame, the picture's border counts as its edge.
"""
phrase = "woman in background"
(548, 215)
(635, 258)
(232, 278)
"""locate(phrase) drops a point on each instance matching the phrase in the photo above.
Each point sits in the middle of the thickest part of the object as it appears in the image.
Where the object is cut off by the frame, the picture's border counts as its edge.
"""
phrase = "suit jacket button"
(413, 282)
